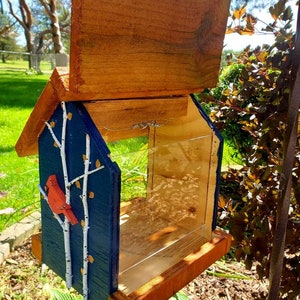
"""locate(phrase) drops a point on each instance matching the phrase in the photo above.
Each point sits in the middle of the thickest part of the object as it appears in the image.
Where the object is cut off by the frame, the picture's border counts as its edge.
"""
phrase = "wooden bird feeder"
(129, 162)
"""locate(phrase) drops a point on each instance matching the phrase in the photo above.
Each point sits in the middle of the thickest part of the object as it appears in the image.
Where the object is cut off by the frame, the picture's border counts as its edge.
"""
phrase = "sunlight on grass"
(230, 157)
(18, 176)
(21, 65)
(131, 156)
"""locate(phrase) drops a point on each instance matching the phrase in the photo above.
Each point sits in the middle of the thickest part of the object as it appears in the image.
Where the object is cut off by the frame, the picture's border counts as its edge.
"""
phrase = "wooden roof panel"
(133, 50)
(27, 143)
(128, 49)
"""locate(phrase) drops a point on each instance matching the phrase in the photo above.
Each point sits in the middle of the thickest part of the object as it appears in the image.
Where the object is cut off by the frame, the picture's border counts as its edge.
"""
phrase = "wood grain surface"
(129, 49)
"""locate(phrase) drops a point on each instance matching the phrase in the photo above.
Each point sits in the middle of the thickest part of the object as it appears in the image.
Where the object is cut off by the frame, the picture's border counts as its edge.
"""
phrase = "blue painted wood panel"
(104, 206)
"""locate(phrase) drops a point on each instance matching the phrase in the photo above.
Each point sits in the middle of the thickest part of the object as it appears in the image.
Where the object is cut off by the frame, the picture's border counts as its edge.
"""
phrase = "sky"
(237, 42)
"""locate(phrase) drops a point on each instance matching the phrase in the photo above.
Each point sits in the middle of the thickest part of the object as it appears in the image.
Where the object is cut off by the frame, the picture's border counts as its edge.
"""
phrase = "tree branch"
(11, 11)
(26, 13)
(45, 5)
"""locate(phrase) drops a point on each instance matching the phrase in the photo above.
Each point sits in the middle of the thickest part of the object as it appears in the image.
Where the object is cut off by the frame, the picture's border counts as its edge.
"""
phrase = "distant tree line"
(44, 24)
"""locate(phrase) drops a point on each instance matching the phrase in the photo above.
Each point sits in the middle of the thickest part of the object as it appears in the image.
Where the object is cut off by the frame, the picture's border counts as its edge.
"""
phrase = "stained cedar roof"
(55, 91)
(128, 50)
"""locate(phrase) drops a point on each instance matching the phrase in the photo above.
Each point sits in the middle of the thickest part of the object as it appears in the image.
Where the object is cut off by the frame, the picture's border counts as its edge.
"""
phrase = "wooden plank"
(56, 90)
(165, 248)
(174, 279)
(183, 272)
(108, 116)
(130, 49)
(118, 295)
(171, 281)
(121, 119)
(36, 246)
(27, 143)
(104, 187)
(60, 82)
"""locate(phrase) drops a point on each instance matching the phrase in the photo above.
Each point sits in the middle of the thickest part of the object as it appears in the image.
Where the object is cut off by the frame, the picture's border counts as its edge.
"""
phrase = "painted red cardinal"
(57, 200)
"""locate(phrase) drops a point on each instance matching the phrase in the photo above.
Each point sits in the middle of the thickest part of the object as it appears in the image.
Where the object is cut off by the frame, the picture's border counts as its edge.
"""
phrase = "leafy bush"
(250, 108)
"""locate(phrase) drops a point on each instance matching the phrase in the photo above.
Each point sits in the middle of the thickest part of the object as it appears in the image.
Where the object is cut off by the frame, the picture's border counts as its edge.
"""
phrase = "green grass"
(131, 156)
(18, 176)
(230, 157)
(21, 65)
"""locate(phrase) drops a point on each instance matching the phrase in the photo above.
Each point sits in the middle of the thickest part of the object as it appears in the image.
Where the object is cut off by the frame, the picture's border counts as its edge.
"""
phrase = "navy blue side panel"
(115, 193)
(220, 153)
(103, 242)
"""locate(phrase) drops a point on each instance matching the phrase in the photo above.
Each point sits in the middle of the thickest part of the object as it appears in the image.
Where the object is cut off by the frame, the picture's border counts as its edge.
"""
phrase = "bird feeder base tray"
(175, 278)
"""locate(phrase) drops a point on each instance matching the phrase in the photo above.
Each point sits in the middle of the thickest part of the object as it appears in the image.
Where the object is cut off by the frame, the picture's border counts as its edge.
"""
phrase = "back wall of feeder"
(119, 232)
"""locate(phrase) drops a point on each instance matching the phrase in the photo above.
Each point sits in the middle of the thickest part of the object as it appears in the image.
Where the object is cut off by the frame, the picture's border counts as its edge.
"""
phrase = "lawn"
(18, 176)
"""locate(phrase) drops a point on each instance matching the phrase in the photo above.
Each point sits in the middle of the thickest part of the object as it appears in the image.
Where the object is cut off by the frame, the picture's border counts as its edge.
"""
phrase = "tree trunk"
(25, 20)
(279, 243)
(50, 6)
(51, 9)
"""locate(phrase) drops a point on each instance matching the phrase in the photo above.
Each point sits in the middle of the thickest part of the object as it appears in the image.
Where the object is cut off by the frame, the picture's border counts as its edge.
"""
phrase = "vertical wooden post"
(277, 255)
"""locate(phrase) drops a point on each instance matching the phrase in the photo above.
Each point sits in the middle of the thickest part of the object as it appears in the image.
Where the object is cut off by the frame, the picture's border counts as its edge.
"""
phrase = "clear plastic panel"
(164, 197)
(131, 156)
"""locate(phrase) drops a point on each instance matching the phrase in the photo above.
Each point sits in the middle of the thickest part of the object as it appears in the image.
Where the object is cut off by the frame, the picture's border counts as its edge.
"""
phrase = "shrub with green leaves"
(250, 108)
